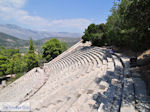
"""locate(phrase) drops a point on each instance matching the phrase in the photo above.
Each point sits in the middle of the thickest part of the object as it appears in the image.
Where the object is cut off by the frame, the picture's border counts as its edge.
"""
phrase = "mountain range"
(26, 34)
(9, 41)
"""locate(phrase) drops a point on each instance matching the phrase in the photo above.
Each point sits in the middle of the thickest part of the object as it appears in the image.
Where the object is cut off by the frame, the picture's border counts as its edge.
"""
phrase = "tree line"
(13, 62)
(127, 27)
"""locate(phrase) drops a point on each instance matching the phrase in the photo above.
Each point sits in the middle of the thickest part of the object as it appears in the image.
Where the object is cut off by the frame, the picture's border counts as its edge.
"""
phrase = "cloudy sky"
(54, 15)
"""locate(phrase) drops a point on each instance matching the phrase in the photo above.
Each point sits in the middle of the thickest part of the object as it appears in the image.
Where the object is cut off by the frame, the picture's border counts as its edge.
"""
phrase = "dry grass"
(143, 54)
(144, 66)
(144, 59)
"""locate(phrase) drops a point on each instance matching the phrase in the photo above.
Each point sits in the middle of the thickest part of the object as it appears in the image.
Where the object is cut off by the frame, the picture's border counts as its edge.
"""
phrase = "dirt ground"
(143, 64)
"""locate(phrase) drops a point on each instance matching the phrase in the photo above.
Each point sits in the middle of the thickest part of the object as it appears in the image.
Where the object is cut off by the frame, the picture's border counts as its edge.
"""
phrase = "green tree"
(32, 61)
(128, 25)
(31, 46)
(92, 28)
(3, 65)
(8, 52)
(31, 58)
(138, 20)
(51, 49)
(16, 64)
(95, 34)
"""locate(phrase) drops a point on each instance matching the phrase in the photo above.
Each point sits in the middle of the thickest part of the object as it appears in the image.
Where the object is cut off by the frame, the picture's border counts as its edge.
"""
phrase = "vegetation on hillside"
(12, 62)
(9, 41)
(32, 59)
(127, 27)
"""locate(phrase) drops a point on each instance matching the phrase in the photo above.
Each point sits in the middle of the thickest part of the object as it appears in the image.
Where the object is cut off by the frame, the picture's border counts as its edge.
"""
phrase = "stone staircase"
(82, 79)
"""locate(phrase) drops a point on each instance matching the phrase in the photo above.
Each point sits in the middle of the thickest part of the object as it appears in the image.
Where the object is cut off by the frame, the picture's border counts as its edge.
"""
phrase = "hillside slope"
(26, 34)
(11, 41)
(70, 41)
(82, 79)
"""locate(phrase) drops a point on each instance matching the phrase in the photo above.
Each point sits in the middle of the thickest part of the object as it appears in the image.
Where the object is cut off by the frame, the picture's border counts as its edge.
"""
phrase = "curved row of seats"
(54, 78)
(24, 87)
(73, 56)
(71, 84)
(86, 106)
(76, 69)
(82, 79)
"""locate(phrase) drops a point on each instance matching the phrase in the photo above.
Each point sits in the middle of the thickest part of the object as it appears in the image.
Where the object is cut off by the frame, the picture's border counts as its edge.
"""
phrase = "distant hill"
(9, 41)
(26, 34)
(69, 41)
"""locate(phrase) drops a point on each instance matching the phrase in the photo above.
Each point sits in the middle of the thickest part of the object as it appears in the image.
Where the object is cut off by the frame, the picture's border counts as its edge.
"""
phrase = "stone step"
(142, 99)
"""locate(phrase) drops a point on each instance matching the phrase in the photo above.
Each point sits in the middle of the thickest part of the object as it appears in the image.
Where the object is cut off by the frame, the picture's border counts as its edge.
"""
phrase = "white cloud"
(12, 3)
(11, 10)
(78, 23)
